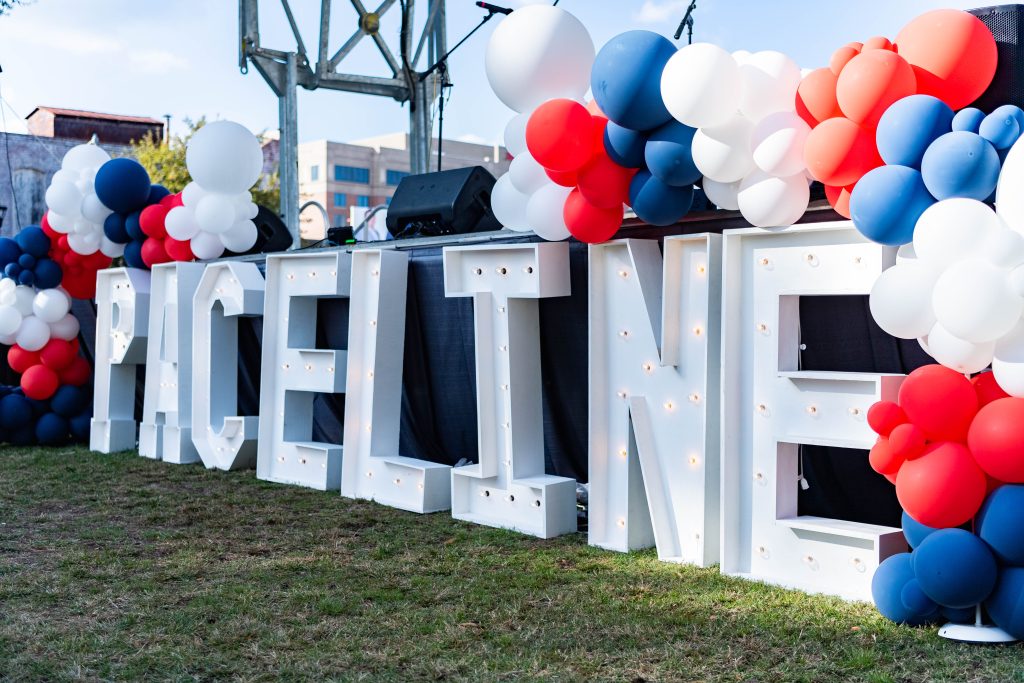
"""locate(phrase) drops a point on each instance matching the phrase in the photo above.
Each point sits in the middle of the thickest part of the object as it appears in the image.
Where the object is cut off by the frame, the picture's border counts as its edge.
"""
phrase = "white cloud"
(656, 11)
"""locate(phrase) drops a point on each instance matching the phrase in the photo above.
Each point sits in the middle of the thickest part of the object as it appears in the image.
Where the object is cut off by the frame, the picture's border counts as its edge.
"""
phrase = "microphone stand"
(687, 22)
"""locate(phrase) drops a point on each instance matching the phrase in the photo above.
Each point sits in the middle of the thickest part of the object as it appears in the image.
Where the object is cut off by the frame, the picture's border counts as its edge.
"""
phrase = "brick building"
(109, 129)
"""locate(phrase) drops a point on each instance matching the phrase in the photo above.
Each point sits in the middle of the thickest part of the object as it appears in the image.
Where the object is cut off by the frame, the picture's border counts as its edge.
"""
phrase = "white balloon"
(769, 80)
(10, 320)
(223, 156)
(955, 353)
(64, 198)
(1003, 247)
(509, 204)
(1009, 198)
(59, 222)
(50, 305)
(8, 339)
(538, 53)
(84, 243)
(33, 334)
(93, 210)
(206, 245)
(1008, 361)
(700, 85)
(84, 156)
(111, 249)
(24, 296)
(244, 208)
(192, 193)
(778, 143)
(767, 201)
(215, 213)
(953, 229)
(526, 174)
(83, 227)
(722, 195)
(180, 223)
(973, 300)
(65, 176)
(545, 212)
(515, 134)
(241, 237)
(722, 153)
(1016, 279)
(901, 300)
(741, 56)
(66, 328)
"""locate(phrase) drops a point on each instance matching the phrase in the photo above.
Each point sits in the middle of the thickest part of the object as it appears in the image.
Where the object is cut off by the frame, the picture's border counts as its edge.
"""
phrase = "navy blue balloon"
(960, 164)
(25, 435)
(15, 411)
(968, 120)
(79, 425)
(626, 79)
(908, 126)
(48, 273)
(1003, 126)
(624, 145)
(887, 585)
(122, 185)
(1001, 523)
(39, 407)
(1006, 604)
(887, 202)
(156, 193)
(669, 155)
(12, 270)
(68, 401)
(26, 277)
(958, 615)
(132, 227)
(955, 568)
(657, 203)
(34, 241)
(915, 599)
(27, 261)
(115, 230)
(133, 254)
(52, 429)
(914, 531)
(9, 251)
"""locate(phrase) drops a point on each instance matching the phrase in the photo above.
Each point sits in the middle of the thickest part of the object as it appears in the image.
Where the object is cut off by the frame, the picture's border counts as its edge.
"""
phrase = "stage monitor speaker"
(443, 203)
(1007, 25)
(271, 234)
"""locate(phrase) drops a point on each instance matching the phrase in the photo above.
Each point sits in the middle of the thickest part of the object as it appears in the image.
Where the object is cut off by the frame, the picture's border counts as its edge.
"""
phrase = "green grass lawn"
(120, 568)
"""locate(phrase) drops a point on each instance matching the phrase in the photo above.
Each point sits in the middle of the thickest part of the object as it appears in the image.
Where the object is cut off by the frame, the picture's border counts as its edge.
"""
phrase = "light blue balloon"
(887, 202)
(656, 203)
(909, 126)
(960, 164)
(626, 79)
(968, 120)
(669, 155)
(1003, 126)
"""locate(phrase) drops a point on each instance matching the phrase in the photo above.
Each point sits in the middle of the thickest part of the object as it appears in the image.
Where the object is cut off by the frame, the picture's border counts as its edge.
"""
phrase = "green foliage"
(7, 5)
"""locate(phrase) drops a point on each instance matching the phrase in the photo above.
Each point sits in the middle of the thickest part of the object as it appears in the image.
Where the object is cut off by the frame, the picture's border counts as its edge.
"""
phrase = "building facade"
(365, 173)
(109, 129)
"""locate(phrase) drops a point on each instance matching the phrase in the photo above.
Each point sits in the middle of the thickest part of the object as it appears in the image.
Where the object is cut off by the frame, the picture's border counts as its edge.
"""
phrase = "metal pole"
(288, 117)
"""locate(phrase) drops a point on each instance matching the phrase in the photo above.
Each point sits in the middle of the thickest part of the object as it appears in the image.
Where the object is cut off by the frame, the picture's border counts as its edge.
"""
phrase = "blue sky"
(148, 57)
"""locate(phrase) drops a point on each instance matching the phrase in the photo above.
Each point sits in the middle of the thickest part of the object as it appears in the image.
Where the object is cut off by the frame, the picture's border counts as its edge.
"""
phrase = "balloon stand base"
(970, 633)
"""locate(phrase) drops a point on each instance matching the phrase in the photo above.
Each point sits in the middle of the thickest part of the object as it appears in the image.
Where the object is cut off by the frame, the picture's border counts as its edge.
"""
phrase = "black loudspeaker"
(444, 203)
(271, 234)
(1007, 25)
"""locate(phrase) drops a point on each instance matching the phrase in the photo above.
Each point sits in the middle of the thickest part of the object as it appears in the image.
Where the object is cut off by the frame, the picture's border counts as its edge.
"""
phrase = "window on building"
(395, 177)
(314, 172)
(351, 174)
(340, 199)
(363, 200)
(339, 220)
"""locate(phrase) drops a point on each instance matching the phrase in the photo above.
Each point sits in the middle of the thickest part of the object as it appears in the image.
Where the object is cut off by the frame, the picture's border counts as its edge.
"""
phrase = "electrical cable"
(7, 153)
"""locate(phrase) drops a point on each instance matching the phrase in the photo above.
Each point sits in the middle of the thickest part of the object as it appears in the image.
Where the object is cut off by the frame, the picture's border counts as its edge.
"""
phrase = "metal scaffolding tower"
(284, 71)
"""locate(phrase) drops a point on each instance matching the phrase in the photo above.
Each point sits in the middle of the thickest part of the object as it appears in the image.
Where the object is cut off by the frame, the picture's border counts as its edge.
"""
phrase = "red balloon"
(878, 43)
(907, 441)
(883, 459)
(884, 416)
(953, 55)
(997, 439)
(39, 382)
(943, 488)
(20, 360)
(45, 225)
(604, 183)
(62, 243)
(58, 354)
(172, 200)
(80, 285)
(97, 261)
(871, 82)
(560, 135)
(179, 250)
(839, 199)
(563, 178)
(589, 223)
(839, 152)
(153, 252)
(987, 389)
(151, 220)
(940, 401)
(816, 97)
(841, 57)
(76, 374)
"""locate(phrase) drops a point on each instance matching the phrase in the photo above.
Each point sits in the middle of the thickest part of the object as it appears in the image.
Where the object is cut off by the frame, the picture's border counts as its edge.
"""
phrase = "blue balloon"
(1001, 523)
(914, 531)
(955, 568)
(26, 277)
(156, 193)
(9, 251)
(887, 202)
(15, 411)
(968, 120)
(624, 145)
(25, 435)
(909, 126)
(887, 585)
(915, 600)
(34, 241)
(1003, 126)
(12, 270)
(68, 401)
(115, 230)
(132, 226)
(122, 185)
(48, 273)
(39, 406)
(1006, 604)
(960, 164)
(80, 425)
(626, 79)
(657, 203)
(962, 615)
(27, 261)
(669, 157)
(52, 429)
(133, 254)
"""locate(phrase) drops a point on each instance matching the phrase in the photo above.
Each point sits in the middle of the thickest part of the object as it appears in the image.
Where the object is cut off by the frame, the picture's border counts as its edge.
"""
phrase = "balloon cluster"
(953, 448)
(215, 210)
(25, 421)
(26, 259)
(78, 277)
(947, 54)
(74, 207)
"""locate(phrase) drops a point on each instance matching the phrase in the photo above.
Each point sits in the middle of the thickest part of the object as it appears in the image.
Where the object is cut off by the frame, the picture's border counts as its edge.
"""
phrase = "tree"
(7, 5)
(166, 165)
